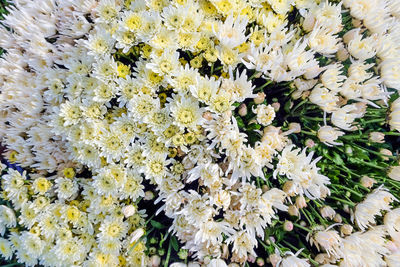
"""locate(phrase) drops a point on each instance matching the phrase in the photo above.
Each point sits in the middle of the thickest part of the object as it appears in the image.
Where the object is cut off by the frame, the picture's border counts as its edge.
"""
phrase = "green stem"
(168, 254)
(299, 105)
(309, 218)
(348, 189)
(308, 133)
(343, 201)
(374, 120)
(312, 118)
(391, 133)
(262, 86)
(254, 75)
(212, 69)
(374, 152)
(302, 227)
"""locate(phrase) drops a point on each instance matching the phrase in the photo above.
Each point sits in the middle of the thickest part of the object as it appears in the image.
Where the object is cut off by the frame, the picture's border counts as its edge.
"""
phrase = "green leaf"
(157, 224)
(253, 126)
(174, 243)
(337, 159)
(240, 122)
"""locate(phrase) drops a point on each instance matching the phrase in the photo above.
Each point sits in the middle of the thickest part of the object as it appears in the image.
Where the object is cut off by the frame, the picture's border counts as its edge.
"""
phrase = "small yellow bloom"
(197, 62)
(172, 152)
(123, 70)
(69, 173)
(13, 157)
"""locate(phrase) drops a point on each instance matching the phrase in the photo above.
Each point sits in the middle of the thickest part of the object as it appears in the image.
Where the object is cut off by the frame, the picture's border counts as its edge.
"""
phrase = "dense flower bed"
(211, 133)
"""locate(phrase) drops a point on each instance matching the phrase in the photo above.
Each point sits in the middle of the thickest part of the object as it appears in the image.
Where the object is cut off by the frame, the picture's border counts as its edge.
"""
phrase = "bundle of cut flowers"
(200, 133)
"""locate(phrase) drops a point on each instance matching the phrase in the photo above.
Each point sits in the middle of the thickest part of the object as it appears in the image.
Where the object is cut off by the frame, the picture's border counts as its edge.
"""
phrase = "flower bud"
(337, 218)
(274, 259)
(297, 94)
(377, 137)
(324, 192)
(148, 195)
(288, 226)
(310, 143)
(342, 54)
(386, 152)
(346, 208)
(367, 182)
(183, 254)
(276, 106)
(301, 202)
(259, 98)
(128, 210)
(348, 36)
(293, 210)
(260, 261)
(346, 229)
(327, 212)
(289, 188)
(309, 22)
(155, 261)
(265, 188)
(295, 127)
(242, 110)
(251, 258)
(394, 173)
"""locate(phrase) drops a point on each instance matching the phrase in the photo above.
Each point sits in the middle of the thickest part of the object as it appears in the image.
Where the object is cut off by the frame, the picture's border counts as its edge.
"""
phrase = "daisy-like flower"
(376, 202)
(231, 33)
(329, 135)
(66, 188)
(186, 111)
(156, 167)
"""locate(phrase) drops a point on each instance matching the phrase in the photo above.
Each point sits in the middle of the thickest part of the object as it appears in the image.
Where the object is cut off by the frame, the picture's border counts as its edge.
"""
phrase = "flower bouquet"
(200, 133)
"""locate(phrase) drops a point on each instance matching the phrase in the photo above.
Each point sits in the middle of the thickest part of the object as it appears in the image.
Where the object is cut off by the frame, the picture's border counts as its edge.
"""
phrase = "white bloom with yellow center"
(185, 111)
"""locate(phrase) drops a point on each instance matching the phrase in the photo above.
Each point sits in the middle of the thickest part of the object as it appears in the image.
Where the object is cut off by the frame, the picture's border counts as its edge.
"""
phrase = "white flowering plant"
(200, 133)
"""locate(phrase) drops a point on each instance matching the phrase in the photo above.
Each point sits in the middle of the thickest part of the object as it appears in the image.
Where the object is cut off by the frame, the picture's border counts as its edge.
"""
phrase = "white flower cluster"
(368, 247)
(144, 92)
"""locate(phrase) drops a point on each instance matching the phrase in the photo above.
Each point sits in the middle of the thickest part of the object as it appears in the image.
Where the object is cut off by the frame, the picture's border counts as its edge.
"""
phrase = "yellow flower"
(123, 70)
(41, 185)
(69, 173)
(13, 157)
(196, 62)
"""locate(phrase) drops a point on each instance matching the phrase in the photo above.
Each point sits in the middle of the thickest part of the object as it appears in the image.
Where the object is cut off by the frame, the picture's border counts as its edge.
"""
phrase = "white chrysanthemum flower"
(293, 260)
(329, 240)
(66, 188)
(7, 217)
(32, 244)
(165, 63)
(69, 250)
(243, 244)
(186, 111)
(6, 249)
(331, 77)
(231, 33)
(376, 202)
(156, 167)
(322, 40)
(329, 135)
(265, 114)
(392, 222)
(324, 98)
